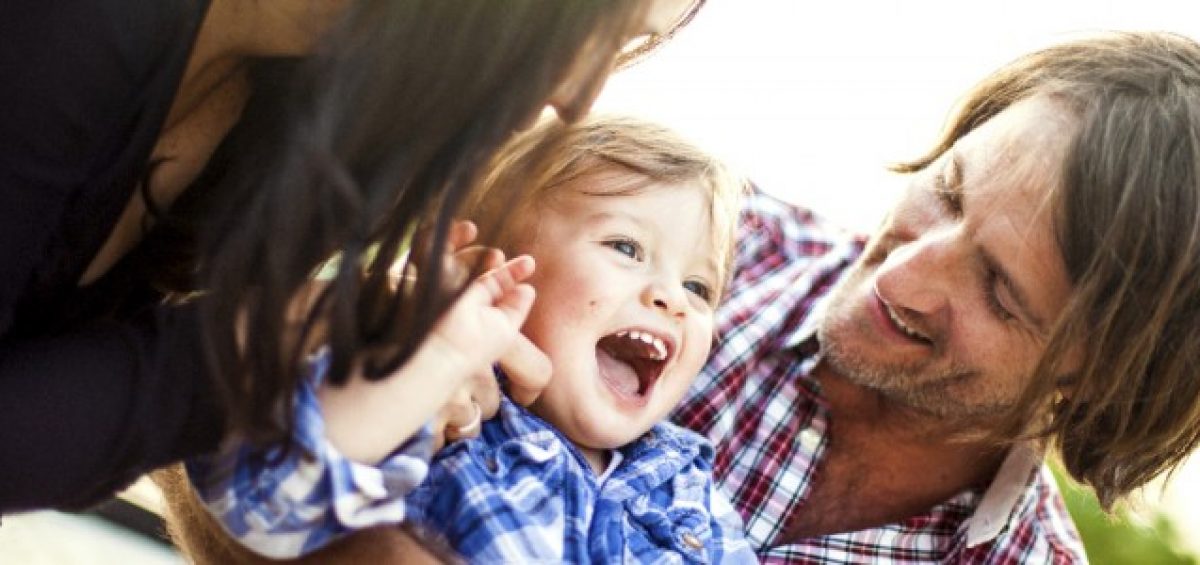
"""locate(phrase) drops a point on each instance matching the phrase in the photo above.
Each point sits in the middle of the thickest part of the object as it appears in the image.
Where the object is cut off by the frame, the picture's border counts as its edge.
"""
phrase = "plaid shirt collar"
(1008, 490)
(756, 401)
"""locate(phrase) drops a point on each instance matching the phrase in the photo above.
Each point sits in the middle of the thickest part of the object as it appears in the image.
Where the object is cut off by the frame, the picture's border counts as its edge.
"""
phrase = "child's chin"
(611, 437)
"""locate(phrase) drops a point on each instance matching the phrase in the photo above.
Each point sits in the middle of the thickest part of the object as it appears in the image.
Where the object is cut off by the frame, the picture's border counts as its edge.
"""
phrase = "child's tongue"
(619, 374)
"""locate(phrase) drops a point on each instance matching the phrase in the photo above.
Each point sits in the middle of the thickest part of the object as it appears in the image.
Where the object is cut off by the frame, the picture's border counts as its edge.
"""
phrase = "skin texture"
(904, 408)
(978, 211)
(608, 263)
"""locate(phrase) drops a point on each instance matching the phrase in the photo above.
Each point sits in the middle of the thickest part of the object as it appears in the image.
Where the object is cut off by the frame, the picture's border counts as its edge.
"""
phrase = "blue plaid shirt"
(518, 493)
(522, 493)
(288, 503)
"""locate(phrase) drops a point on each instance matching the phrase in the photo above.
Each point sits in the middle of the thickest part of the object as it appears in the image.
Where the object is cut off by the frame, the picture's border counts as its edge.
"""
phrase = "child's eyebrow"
(605, 216)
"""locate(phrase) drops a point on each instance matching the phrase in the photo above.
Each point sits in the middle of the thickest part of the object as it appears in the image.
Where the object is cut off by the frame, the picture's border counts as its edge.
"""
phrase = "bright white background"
(813, 99)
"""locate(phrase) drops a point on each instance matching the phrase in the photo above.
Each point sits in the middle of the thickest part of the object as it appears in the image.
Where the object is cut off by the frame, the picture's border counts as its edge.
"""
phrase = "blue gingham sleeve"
(282, 503)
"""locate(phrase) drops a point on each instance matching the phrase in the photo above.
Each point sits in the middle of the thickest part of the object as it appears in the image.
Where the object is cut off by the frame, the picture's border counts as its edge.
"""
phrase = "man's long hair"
(1127, 221)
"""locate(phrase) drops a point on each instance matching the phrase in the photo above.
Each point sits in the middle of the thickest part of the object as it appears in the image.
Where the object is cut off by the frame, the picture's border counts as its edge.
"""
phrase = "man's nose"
(922, 275)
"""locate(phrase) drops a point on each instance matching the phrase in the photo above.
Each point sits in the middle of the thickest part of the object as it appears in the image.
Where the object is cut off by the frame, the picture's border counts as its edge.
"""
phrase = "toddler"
(631, 230)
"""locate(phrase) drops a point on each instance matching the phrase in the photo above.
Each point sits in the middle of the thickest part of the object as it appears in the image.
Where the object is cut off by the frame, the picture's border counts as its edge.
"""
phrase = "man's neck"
(885, 463)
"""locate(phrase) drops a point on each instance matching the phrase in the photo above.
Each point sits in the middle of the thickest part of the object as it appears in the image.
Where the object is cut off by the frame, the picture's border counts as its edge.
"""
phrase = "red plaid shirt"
(758, 403)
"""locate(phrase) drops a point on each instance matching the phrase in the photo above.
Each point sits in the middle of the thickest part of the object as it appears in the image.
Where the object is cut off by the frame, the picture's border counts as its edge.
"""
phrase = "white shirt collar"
(614, 461)
(1002, 496)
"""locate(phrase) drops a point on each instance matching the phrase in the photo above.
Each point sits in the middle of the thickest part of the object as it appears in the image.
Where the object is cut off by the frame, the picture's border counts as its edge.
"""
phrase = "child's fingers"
(512, 272)
(461, 234)
(515, 303)
(528, 370)
(502, 280)
(477, 259)
(493, 259)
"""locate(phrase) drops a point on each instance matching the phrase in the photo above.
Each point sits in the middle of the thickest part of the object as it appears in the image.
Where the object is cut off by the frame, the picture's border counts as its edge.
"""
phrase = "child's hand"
(449, 378)
(527, 367)
(483, 324)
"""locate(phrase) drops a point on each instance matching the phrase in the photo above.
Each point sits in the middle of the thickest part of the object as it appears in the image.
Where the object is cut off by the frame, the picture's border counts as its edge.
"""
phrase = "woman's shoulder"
(77, 73)
(129, 37)
(87, 86)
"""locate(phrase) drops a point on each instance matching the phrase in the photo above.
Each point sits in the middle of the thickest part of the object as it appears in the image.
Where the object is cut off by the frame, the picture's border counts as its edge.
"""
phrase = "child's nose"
(667, 298)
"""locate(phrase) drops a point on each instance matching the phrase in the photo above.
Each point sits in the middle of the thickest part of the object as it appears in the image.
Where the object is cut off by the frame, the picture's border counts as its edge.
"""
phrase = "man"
(1036, 285)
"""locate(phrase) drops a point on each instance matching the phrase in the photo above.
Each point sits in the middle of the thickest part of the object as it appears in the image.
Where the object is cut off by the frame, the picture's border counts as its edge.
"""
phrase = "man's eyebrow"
(1014, 290)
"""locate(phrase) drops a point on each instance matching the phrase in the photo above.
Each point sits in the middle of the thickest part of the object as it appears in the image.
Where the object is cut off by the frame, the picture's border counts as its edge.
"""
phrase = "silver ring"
(473, 427)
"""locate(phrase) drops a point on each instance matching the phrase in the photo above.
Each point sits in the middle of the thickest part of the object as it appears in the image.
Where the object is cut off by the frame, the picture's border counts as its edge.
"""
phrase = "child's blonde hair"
(552, 154)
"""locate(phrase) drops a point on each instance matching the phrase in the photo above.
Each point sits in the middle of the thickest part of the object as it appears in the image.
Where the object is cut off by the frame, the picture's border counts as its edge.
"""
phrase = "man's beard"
(924, 386)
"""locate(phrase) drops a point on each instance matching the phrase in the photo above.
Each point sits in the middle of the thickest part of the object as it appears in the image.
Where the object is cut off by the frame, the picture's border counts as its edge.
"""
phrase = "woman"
(231, 147)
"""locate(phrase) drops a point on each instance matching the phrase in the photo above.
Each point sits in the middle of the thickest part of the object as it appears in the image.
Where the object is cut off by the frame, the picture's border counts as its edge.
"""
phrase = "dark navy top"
(97, 384)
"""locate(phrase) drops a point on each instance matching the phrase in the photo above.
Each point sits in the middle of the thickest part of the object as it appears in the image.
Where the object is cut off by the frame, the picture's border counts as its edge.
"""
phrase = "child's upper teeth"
(660, 348)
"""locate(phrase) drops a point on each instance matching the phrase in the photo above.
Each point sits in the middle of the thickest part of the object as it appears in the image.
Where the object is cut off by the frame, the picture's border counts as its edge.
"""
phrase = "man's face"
(950, 306)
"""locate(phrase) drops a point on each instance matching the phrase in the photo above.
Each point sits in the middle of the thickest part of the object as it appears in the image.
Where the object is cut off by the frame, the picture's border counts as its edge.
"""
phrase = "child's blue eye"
(699, 289)
(626, 247)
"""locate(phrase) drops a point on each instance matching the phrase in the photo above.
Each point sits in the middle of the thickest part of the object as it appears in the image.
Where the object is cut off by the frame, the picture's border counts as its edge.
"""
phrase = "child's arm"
(343, 470)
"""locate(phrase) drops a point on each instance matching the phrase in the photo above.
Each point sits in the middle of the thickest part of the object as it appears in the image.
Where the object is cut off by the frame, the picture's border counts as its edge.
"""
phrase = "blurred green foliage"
(1121, 539)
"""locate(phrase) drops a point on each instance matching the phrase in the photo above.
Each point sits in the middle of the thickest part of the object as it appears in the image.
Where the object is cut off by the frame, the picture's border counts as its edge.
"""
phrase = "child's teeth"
(660, 348)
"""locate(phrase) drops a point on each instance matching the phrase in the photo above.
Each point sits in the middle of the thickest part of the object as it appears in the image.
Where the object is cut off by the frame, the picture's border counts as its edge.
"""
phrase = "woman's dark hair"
(386, 129)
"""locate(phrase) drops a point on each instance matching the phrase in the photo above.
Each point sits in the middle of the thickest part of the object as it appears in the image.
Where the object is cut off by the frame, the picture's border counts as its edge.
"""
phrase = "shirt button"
(491, 464)
(692, 541)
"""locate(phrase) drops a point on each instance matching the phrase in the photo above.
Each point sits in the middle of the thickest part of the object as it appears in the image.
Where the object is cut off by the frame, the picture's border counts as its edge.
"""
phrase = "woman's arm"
(89, 408)
(84, 413)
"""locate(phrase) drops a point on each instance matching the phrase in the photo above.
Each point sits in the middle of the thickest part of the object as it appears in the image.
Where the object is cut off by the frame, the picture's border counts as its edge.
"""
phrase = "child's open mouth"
(631, 361)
